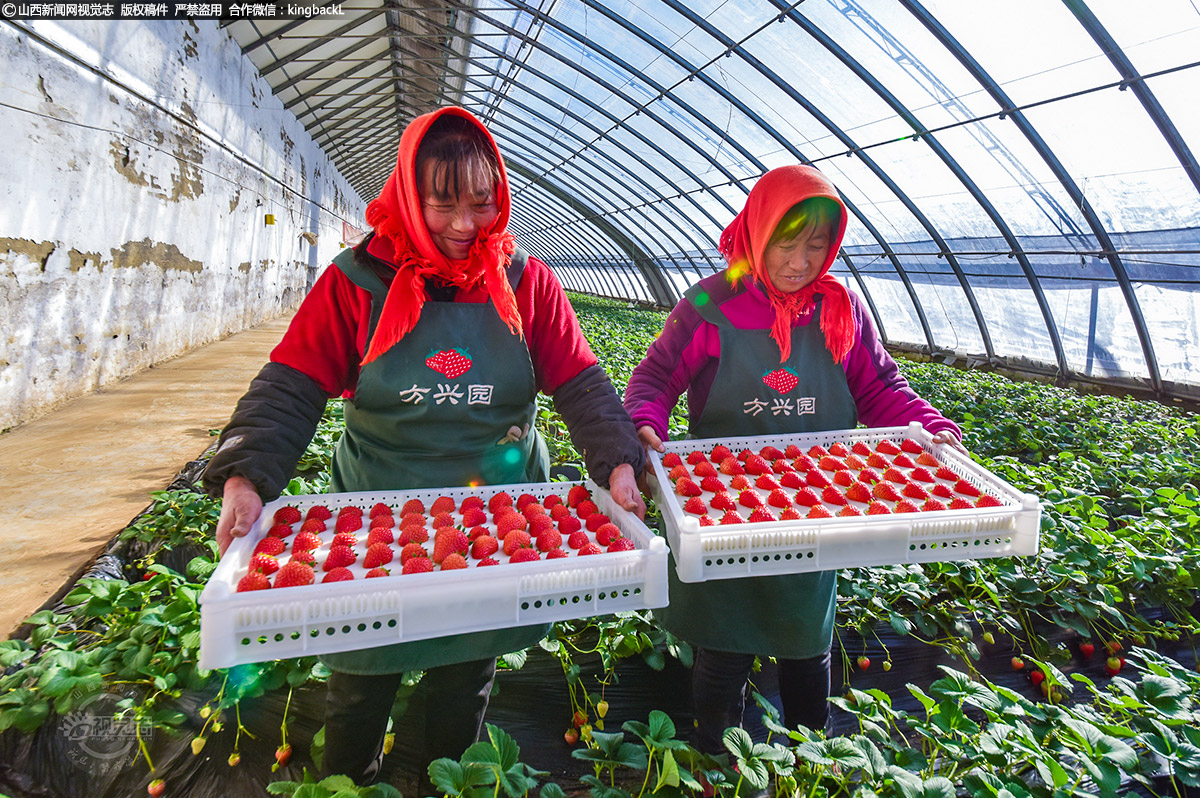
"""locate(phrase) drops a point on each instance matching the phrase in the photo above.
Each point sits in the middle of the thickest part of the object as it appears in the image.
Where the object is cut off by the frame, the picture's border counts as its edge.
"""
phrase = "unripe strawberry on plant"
(198, 745)
(1017, 663)
(989, 638)
(571, 735)
(1113, 665)
(864, 662)
(389, 742)
(235, 759)
(887, 665)
(156, 788)
(283, 755)
(601, 708)
(1112, 646)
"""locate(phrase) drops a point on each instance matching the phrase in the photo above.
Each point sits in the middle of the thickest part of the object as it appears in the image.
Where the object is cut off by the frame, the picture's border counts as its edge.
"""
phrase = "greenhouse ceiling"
(1021, 175)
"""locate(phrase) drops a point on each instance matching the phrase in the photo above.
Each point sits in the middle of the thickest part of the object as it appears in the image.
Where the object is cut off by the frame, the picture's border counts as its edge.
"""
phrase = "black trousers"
(357, 710)
(719, 691)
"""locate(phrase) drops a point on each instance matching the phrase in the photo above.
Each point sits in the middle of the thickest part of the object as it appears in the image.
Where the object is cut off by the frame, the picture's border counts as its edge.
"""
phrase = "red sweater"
(328, 336)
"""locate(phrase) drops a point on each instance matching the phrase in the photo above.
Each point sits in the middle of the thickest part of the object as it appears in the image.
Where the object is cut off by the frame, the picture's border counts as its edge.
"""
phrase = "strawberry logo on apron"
(782, 380)
(449, 362)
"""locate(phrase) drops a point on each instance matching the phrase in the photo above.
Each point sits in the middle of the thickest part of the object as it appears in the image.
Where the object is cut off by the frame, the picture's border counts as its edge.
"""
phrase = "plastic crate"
(819, 544)
(279, 623)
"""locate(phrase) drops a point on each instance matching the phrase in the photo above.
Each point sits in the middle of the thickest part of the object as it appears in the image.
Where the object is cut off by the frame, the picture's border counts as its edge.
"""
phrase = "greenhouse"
(857, 342)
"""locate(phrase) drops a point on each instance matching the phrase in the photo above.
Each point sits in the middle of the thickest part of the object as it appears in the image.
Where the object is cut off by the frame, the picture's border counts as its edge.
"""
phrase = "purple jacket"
(685, 355)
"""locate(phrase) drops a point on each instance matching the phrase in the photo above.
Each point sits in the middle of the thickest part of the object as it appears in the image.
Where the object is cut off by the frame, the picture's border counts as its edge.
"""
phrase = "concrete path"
(70, 480)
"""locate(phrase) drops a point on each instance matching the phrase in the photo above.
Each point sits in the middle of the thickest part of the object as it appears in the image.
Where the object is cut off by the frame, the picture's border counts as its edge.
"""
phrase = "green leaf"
(283, 787)
(668, 772)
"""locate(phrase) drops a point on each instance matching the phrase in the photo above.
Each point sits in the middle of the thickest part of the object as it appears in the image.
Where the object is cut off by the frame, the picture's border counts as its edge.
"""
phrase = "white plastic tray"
(779, 547)
(279, 623)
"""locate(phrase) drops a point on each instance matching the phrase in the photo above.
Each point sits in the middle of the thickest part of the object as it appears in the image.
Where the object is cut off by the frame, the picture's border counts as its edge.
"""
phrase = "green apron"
(413, 425)
(790, 615)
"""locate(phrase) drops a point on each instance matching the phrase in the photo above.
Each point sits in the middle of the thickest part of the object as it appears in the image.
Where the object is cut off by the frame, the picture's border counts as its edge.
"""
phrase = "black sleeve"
(599, 426)
(268, 432)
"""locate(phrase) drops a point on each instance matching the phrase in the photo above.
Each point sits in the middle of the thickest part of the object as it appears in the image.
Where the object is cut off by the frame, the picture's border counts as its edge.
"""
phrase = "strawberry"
(819, 511)
(732, 517)
(555, 554)
(569, 525)
(792, 451)
(453, 562)
(707, 520)
(287, 515)
(905, 506)
(941, 491)
(484, 546)
(510, 523)
(946, 474)
(779, 499)
(791, 480)
(852, 461)
(417, 565)
(817, 451)
(156, 788)
(1087, 648)
(379, 509)
(621, 544)
(911, 446)
(339, 556)
(559, 511)
(761, 514)
(344, 539)
(472, 502)
(695, 457)
(679, 472)
(413, 534)
(487, 561)
(386, 520)
(255, 580)
(860, 449)
(766, 482)
(731, 467)
(552, 539)
(412, 551)
(719, 453)
(686, 487)
(744, 455)
(722, 501)
(528, 555)
(671, 459)
(848, 510)
(770, 453)
(413, 506)
(270, 545)
(501, 499)
(960, 504)
(348, 522)
(782, 466)
(473, 516)
(830, 463)
(875, 461)
(705, 469)
(757, 465)
(578, 540)
(885, 491)
(712, 485)
(293, 574)
(914, 491)
(903, 461)
(804, 463)
(442, 504)
(449, 362)
(551, 500)
(868, 476)
(926, 459)
(413, 519)
(878, 508)
(442, 519)
(577, 494)
(832, 495)
(1036, 677)
(607, 533)
(586, 508)
(350, 509)
(451, 541)
(589, 548)
(524, 500)
(740, 482)
(264, 563)
(966, 488)
(921, 475)
(539, 524)
(378, 554)
(283, 530)
(517, 539)
(816, 479)
(988, 500)
(858, 492)
(318, 512)
(304, 556)
(895, 475)
(887, 447)
(749, 498)
(842, 478)
(838, 449)
(806, 498)
(338, 574)
(377, 572)
(595, 521)
(864, 662)
(931, 506)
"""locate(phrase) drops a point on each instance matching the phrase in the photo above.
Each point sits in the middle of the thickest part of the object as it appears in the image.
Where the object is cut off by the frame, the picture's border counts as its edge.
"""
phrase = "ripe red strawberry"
(876, 461)
(338, 574)
(569, 525)
(779, 499)
(559, 511)
(695, 457)
(339, 556)
(804, 463)
(551, 500)
(831, 463)
(595, 521)
(942, 491)
(792, 451)
(749, 498)
(769, 452)
(589, 548)
(378, 554)
(471, 502)
(555, 554)
(294, 574)
(524, 500)
(350, 509)
(487, 561)
(966, 488)
(864, 662)
(740, 482)
(757, 465)
(848, 510)
(926, 459)
(344, 539)
(621, 544)
(807, 498)
(767, 482)
(264, 563)
(946, 473)
(473, 516)
(552, 539)
(712, 485)
(477, 532)
(412, 551)
(719, 453)
(832, 495)
(270, 545)
(671, 459)
(287, 515)
(413, 519)
(517, 539)
(903, 461)
(283, 530)
(577, 494)
(843, 478)
(782, 466)
(255, 580)
(838, 449)
(484, 546)
(606, 533)
(442, 519)
(707, 520)
(578, 539)
(817, 451)
(921, 475)
(417, 565)
(377, 572)
(816, 479)
(527, 554)
(911, 446)
(933, 505)
(413, 534)
(450, 362)
(988, 500)
(1087, 648)
(744, 454)
(868, 476)
(413, 506)
(895, 475)
(442, 504)
(960, 504)
(819, 511)
(679, 472)
(501, 499)
(761, 514)
(686, 487)
(884, 490)
(905, 506)
(379, 509)
(450, 541)
(319, 512)
(731, 467)
(732, 517)
(305, 556)
(914, 491)
(853, 461)
(510, 523)
(887, 447)
(539, 524)
(705, 469)
(722, 501)
(878, 508)
(586, 508)
(792, 480)
(860, 449)
(791, 514)
(386, 520)
(1036, 677)
(348, 523)
(858, 492)
(453, 562)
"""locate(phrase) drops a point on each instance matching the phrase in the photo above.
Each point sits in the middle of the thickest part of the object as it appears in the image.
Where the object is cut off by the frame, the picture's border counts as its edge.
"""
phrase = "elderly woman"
(439, 334)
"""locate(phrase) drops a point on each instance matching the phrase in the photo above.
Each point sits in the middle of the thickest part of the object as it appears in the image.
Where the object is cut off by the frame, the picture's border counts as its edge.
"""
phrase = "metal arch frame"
(909, 117)
(1068, 183)
(866, 293)
(315, 44)
(749, 113)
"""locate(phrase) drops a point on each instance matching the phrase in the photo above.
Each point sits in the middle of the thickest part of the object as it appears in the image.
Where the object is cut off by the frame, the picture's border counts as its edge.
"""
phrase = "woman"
(438, 279)
(774, 307)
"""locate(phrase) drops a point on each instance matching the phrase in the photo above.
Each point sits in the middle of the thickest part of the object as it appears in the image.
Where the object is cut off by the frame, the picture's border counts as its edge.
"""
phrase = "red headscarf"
(396, 213)
(746, 237)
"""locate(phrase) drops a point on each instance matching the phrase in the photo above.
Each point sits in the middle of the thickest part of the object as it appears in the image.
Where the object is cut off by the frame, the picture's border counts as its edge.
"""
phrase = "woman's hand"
(623, 486)
(240, 508)
(950, 439)
(649, 438)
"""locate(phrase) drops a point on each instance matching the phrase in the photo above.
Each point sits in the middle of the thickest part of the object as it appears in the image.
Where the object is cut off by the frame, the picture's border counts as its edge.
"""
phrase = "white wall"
(139, 160)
